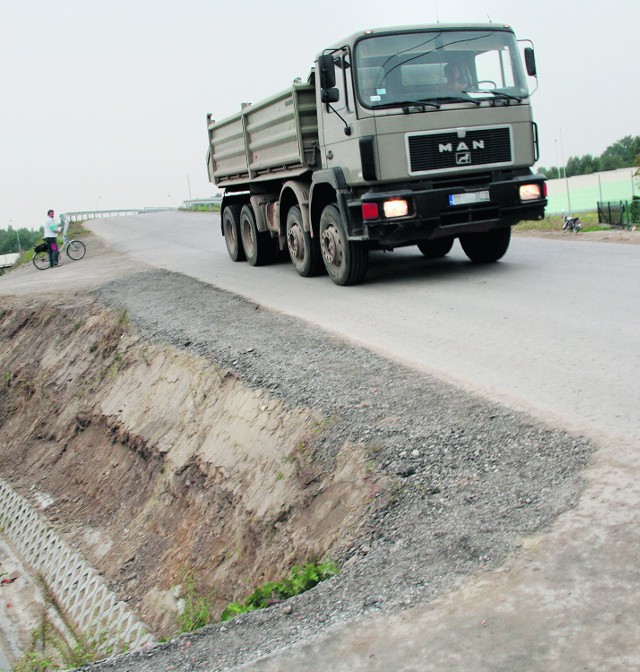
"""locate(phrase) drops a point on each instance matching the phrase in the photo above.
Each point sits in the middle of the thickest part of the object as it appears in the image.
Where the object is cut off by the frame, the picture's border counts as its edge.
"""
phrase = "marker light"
(370, 211)
(396, 208)
(530, 192)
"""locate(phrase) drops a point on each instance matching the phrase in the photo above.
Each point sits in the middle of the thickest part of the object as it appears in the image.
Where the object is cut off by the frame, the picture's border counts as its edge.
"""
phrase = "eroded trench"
(156, 463)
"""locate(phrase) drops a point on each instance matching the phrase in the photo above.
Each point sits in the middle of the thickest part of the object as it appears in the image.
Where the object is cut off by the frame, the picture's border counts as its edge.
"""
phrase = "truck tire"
(259, 248)
(434, 249)
(303, 249)
(485, 248)
(231, 231)
(346, 261)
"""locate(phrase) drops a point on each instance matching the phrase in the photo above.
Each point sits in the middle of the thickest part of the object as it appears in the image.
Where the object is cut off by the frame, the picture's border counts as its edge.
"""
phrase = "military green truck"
(400, 136)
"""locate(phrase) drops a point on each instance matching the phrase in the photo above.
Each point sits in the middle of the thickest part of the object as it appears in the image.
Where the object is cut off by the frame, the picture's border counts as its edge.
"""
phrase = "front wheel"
(487, 247)
(303, 249)
(76, 249)
(346, 261)
(434, 249)
(41, 260)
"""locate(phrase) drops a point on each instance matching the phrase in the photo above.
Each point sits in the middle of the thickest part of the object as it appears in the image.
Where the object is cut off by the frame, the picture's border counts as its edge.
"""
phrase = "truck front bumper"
(447, 211)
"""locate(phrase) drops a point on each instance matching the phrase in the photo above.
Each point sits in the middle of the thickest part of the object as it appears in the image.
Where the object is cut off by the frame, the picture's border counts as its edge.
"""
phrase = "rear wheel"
(259, 247)
(76, 249)
(303, 249)
(41, 260)
(434, 249)
(231, 230)
(487, 247)
(346, 261)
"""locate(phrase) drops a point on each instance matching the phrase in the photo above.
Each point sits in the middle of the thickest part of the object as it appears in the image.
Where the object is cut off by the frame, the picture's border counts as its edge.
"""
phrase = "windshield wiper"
(456, 99)
(406, 104)
(495, 94)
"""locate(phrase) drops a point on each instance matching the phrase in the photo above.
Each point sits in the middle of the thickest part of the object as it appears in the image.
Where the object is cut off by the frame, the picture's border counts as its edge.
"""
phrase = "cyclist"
(50, 230)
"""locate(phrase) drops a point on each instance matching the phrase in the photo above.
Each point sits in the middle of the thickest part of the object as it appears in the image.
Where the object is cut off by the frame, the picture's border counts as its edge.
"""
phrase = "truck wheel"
(259, 247)
(484, 248)
(231, 231)
(303, 249)
(434, 249)
(346, 261)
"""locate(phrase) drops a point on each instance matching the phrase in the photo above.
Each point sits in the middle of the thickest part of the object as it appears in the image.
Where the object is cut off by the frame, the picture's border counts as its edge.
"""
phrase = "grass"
(210, 207)
(589, 222)
(300, 580)
(197, 607)
(52, 649)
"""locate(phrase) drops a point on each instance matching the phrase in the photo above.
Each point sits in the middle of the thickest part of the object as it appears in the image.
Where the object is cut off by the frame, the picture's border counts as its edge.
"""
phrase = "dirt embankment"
(156, 462)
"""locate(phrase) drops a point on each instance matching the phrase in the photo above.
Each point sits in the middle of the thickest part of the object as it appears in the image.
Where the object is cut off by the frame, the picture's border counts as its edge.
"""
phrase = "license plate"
(469, 197)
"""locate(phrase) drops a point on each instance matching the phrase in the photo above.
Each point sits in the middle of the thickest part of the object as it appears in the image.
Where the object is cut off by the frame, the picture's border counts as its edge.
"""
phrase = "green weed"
(197, 609)
(300, 580)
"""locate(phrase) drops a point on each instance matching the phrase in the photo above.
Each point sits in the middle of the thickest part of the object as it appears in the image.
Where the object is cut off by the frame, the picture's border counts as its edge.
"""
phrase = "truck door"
(337, 121)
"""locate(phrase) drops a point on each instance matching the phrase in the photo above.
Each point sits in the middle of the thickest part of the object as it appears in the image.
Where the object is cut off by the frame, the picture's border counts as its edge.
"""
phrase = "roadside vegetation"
(198, 607)
(203, 207)
(589, 222)
(58, 647)
(300, 580)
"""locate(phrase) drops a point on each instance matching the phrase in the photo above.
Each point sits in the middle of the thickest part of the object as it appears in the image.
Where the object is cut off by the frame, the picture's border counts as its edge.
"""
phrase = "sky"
(104, 102)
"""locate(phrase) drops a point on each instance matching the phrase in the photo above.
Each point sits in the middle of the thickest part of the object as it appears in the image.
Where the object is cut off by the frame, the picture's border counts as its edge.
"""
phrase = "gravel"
(467, 479)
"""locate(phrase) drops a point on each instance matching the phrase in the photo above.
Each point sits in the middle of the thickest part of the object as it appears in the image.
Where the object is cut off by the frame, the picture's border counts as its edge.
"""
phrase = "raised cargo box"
(275, 138)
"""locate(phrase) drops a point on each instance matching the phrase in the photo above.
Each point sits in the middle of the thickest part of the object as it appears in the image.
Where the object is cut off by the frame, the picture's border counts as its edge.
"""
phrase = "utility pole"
(564, 170)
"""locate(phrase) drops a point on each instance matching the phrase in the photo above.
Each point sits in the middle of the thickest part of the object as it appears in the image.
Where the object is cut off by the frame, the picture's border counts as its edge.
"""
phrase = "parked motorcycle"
(571, 223)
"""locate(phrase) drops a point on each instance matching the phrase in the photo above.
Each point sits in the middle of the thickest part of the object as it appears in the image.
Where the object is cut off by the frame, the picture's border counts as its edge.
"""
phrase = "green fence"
(582, 193)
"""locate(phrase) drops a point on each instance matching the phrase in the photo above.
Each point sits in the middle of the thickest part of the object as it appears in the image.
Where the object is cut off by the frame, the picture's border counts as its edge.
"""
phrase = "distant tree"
(9, 239)
(550, 173)
(624, 153)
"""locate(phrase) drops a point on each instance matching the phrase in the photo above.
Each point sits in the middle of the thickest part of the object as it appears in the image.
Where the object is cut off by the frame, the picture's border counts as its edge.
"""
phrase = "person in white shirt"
(50, 230)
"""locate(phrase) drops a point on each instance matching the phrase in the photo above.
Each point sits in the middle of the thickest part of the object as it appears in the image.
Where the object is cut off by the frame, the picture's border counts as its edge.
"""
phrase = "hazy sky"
(104, 102)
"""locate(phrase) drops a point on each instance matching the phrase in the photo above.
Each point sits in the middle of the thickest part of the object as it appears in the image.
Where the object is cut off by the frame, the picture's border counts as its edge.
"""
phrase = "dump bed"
(275, 138)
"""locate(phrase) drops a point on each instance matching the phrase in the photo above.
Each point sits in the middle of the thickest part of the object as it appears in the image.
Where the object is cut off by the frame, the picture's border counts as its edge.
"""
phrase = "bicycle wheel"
(41, 260)
(76, 249)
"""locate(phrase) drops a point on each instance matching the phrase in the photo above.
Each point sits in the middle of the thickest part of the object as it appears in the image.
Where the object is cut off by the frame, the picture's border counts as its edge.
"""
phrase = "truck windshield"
(438, 65)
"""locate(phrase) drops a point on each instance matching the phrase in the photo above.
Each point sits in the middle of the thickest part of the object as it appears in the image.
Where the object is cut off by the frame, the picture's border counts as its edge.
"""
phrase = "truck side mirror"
(327, 70)
(330, 95)
(530, 61)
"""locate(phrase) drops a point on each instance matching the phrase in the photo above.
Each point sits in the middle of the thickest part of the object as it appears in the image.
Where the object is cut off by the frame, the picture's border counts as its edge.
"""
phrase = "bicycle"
(75, 250)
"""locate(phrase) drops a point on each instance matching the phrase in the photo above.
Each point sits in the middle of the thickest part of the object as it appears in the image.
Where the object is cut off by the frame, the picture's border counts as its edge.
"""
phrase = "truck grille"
(447, 151)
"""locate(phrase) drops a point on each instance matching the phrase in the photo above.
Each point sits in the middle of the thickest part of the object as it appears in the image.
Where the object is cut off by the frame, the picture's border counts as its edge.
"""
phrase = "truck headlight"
(530, 192)
(396, 208)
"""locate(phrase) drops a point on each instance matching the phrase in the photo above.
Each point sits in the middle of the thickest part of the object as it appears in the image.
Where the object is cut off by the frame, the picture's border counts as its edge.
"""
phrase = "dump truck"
(400, 136)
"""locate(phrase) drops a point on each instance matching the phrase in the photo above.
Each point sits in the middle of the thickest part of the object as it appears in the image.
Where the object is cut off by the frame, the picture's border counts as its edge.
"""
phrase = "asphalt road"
(553, 328)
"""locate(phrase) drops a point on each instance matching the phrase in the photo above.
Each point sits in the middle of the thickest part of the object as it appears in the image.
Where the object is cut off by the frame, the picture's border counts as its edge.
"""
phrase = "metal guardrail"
(91, 606)
(83, 215)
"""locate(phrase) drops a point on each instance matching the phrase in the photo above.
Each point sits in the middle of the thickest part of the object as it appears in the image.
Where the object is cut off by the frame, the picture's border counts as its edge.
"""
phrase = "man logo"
(463, 158)
(461, 146)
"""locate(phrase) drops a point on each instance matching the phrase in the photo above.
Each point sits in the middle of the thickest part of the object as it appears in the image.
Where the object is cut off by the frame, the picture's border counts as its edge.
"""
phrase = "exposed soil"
(622, 236)
(180, 428)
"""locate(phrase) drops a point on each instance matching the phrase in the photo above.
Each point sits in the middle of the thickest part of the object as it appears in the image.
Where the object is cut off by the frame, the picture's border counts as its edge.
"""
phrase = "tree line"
(624, 153)
(12, 240)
